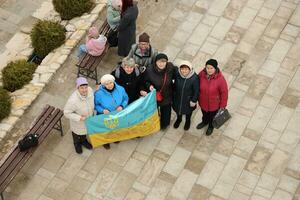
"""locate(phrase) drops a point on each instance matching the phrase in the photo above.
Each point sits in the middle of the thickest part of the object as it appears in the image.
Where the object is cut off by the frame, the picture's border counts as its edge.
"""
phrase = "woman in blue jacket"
(110, 97)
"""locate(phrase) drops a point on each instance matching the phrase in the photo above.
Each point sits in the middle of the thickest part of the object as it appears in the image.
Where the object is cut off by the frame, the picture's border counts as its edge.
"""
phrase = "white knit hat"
(107, 78)
(186, 63)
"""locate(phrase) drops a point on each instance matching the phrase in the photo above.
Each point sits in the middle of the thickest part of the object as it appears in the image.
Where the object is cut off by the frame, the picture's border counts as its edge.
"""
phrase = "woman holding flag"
(110, 97)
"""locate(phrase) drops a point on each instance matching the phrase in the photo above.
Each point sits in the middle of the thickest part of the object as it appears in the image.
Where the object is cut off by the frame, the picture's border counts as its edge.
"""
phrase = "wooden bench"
(87, 65)
(11, 164)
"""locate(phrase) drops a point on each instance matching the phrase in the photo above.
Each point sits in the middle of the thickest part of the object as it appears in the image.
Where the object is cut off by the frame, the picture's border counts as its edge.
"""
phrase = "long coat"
(127, 28)
(130, 82)
(78, 106)
(186, 89)
(152, 76)
(110, 100)
(213, 91)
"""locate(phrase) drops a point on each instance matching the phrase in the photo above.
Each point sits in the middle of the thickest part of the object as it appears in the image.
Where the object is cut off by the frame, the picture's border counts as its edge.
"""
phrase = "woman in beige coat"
(79, 106)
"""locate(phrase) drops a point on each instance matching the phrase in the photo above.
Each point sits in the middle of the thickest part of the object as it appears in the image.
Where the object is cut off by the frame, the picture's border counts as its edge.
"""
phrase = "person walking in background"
(94, 45)
(113, 14)
(159, 76)
(80, 106)
(213, 94)
(110, 97)
(185, 94)
(128, 76)
(127, 27)
(143, 53)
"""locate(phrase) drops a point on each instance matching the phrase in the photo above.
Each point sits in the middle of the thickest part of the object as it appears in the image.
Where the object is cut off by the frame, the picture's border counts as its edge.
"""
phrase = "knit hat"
(161, 56)
(81, 81)
(107, 78)
(93, 32)
(186, 63)
(213, 63)
(144, 37)
(116, 3)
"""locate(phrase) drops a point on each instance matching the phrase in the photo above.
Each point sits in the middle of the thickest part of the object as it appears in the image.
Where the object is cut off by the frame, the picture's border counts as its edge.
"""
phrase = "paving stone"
(288, 184)
(210, 173)
(134, 195)
(224, 52)
(198, 192)
(245, 18)
(221, 28)
(258, 160)
(238, 196)
(277, 163)
(150, 171)
(160, 190)
(234, 130)
(121, 185)
(280, 194)
(188, 142)
(177, 161)
(288, 141)
(183, 185)
(217, 8)
(235, 34)
(293, 20)
(102, 184)
(199, 35)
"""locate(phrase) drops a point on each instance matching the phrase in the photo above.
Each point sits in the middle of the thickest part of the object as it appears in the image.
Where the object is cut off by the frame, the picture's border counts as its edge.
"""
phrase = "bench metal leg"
(2, 197)
(58, 127)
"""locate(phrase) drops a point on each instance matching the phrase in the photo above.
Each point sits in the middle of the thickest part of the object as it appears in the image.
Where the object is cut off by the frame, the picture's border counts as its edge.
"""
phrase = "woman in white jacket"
(79, 106)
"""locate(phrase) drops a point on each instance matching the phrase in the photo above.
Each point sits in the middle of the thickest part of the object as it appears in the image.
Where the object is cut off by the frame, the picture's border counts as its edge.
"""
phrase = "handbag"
(159, 97)
(30, 140)
(112, 38)
(220, 118)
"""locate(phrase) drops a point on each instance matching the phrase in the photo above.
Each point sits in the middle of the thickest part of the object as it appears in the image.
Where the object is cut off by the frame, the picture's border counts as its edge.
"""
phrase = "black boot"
(201, 125)
(78, 148)
(187, 125)
(86, 144)
(209, 131)
(106, 146)
(177, 123)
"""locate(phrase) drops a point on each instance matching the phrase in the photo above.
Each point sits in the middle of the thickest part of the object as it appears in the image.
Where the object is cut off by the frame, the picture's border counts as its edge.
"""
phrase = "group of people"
(142, 70)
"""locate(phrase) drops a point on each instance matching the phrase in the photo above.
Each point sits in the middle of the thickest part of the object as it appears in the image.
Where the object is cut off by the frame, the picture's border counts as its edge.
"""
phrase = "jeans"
(82, 50)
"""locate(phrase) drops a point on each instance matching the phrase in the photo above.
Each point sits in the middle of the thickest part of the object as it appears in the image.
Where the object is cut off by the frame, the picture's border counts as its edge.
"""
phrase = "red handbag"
(159, 97)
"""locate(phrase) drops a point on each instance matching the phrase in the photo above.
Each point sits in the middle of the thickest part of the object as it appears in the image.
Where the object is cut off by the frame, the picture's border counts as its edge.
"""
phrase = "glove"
(192, 104)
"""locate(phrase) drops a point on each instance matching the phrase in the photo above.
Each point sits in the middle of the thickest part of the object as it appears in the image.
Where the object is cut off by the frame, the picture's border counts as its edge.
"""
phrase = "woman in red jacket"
(213, 94)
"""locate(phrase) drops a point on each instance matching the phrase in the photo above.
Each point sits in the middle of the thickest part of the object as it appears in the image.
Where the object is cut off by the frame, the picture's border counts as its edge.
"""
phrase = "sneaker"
(187, 125)
(87, 145)
(209, 131)
(106, 146)
(201, 125)
(177, 123)
(78, 148)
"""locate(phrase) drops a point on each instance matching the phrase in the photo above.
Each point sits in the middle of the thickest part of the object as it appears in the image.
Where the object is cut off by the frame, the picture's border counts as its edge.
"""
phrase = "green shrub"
(5, 103)
(16, 74)
(47, 36)
(69, 9)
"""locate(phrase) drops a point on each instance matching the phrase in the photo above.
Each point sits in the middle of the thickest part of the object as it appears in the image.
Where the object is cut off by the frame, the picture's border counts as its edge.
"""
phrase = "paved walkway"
(255, 156)
(13, 15)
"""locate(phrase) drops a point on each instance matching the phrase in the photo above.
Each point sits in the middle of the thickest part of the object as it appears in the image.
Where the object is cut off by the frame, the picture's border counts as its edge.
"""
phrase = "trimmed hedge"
(47, 36)
(68, 9)
(5, 103)
(16, 74)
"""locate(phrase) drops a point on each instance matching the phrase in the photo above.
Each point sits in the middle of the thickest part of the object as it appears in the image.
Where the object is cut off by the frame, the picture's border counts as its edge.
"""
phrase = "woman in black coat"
(159, 76)
(185, 93)
(127, 27)
(128, 76)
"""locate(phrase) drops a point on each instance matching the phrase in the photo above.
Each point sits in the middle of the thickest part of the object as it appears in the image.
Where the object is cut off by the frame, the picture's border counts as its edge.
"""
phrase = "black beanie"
(161, 56)
(213, 63)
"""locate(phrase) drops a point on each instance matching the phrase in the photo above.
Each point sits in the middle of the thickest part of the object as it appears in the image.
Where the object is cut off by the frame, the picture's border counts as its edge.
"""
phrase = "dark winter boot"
(187, 125)
(201, 125)
(177, 123)
(106, 146)
(209, 131)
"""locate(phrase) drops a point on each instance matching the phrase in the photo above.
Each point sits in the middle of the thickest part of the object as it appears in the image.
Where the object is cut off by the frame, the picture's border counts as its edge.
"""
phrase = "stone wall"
(20, 47)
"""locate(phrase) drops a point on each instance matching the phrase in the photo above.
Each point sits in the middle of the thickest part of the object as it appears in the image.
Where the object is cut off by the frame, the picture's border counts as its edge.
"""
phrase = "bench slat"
(33, 129)
(50, 126)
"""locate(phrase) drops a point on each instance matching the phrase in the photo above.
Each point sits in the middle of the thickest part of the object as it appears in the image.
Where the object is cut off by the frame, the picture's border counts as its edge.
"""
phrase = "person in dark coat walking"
(127, 27)
(213, 94)
(159, 76)
(128, 76)
(185, 93)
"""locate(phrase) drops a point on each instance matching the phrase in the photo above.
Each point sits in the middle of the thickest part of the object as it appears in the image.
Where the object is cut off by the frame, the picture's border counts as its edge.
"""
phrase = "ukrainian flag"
(138, 119)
